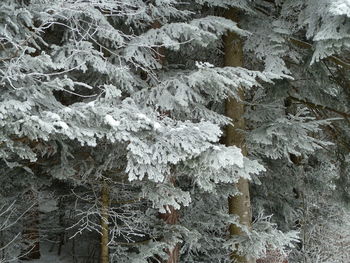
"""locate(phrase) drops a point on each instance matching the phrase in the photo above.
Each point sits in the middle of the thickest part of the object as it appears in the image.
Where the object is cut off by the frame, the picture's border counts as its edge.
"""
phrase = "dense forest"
(175, 131)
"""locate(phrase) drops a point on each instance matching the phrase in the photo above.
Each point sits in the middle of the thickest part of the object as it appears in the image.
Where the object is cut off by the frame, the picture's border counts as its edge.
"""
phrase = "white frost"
(54, 116)
(142, 116)
(62, 124)
(157, 126)
(202, 65)
(111, 121)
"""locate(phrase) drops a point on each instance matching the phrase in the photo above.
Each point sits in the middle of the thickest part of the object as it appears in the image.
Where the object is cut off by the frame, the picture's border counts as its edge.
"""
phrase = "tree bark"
(239, 204)
(104, 251)
(171, 218)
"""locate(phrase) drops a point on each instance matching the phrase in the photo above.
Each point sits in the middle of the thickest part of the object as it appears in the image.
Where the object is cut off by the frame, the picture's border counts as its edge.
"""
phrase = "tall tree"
(238, 204)
(84, 94)
(74, 103)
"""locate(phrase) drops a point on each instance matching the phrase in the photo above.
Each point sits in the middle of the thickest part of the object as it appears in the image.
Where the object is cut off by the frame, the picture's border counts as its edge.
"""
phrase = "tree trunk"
(239, 204)
(172, 218)
(104, 253)
(30, 232)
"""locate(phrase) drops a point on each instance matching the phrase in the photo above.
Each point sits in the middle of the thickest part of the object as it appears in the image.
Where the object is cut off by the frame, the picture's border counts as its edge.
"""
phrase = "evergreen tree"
(85, 99)
(121, 105)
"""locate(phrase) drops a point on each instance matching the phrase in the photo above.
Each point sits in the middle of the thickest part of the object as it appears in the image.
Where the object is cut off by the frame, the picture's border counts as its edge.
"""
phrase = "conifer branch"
(313, 105)
(305, 45)
(142, 242)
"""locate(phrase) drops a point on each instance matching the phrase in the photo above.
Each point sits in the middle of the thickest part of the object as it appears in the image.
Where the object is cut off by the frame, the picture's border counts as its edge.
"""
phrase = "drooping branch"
(306, 45)
(314, 105)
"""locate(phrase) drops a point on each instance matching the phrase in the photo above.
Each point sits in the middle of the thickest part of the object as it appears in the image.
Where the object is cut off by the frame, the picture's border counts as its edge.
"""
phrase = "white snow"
(111, 121)
(142, 116)
(340, 7)
(157, 126)
(52, 257)
(201, 65)
(53, 116)
(62, 124)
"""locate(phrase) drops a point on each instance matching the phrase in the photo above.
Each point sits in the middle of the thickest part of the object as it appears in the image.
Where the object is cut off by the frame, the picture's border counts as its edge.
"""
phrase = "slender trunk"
(30, 232)
(239, 204)
(171, 218)
(104, 253)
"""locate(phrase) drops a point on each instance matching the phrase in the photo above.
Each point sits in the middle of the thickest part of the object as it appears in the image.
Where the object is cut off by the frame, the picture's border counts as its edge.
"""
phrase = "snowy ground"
(52, 257)
(84, 253)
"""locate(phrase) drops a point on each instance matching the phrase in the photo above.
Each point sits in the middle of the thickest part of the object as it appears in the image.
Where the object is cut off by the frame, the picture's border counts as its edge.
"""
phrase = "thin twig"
(313, 105)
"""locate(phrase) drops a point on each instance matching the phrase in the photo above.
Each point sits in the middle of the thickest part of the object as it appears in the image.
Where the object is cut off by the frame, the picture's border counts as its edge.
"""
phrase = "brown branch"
(17, 51)
(331, 130)
(24, 140)
(322, 107)
(306, 45)
(125, 202)
(133, 243)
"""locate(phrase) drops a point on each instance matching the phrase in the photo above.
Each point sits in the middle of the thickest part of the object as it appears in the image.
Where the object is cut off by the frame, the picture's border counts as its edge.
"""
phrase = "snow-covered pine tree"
(305, 44)
(85, 100)
(88, 99)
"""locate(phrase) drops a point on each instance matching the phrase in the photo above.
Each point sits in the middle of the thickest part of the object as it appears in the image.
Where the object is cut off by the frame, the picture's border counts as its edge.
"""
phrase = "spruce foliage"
(129, 95)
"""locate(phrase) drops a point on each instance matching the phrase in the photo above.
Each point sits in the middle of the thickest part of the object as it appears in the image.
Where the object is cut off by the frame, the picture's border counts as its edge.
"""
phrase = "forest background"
(143, 131)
